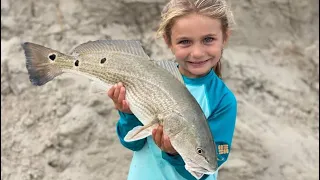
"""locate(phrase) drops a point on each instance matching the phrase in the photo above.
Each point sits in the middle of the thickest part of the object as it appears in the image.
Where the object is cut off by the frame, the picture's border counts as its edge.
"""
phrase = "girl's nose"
(197, 51)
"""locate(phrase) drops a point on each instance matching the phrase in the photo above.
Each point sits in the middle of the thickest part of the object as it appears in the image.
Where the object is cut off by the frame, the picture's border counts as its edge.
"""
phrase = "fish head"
(200, 158)
(193, 140)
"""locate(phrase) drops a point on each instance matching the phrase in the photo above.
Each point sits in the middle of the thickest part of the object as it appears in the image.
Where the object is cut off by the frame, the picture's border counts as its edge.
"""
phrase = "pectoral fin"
(140, 132)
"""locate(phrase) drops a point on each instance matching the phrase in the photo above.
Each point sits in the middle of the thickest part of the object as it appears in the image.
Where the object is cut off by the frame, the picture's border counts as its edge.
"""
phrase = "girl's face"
(196, 42)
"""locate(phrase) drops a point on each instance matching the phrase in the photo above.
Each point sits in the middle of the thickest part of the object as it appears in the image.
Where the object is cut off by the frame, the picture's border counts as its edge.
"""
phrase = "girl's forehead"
(195, 18)
(196, 24)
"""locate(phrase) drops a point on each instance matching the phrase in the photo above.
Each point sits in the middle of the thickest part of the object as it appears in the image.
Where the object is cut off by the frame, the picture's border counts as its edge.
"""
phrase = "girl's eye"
(184, 42)
(208, 39)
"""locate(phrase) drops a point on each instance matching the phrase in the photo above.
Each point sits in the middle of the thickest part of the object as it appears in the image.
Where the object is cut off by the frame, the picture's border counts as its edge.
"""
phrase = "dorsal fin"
(124, 46)
(170, 66)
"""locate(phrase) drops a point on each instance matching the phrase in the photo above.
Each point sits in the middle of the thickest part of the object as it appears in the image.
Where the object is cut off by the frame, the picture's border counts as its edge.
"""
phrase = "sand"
(62, 131)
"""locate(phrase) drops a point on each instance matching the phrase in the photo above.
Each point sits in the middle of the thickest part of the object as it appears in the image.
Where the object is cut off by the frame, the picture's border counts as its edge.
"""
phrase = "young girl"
(196, 31)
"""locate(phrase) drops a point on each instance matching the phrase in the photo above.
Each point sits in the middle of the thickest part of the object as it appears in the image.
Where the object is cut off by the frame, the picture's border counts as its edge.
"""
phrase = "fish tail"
(40, 63)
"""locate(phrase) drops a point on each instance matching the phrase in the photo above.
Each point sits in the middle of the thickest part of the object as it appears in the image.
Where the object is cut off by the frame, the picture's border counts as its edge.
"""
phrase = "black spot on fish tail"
(76, 63)
(38, 64)
(103, 60)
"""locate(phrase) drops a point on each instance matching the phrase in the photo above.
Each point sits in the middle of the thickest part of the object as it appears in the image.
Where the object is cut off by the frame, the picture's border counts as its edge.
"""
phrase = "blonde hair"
(216, 9)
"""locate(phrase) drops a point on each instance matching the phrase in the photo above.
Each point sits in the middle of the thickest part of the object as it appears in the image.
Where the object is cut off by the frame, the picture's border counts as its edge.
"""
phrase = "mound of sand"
(61, 131)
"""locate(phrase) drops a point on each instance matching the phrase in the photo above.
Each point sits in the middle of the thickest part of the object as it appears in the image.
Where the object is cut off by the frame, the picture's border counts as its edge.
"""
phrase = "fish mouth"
(192, 166)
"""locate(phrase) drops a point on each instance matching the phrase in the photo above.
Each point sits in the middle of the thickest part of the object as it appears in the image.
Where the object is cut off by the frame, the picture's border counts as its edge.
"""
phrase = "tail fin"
(40, 63)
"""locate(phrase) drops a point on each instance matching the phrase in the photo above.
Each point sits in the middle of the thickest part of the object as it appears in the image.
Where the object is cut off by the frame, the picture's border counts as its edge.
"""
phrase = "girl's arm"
(222, 124)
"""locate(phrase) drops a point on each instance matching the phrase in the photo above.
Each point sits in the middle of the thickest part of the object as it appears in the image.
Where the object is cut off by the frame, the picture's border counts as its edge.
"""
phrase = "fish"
(155, 92)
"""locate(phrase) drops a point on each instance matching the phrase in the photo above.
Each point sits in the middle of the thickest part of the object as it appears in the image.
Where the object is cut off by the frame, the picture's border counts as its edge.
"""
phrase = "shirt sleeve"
(126, 123)
(222, 125)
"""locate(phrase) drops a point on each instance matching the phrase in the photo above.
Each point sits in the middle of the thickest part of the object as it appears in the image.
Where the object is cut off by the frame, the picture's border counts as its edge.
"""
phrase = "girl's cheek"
(217, 54)
(216, 51)
(180, 54)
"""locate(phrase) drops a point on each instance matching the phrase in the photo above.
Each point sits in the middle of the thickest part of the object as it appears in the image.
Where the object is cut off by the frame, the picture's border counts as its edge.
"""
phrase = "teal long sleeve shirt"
(219, 106)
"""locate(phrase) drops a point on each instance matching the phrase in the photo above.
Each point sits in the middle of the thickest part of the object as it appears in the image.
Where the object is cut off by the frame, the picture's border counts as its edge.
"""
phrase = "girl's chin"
(193, 72)
(199, 72)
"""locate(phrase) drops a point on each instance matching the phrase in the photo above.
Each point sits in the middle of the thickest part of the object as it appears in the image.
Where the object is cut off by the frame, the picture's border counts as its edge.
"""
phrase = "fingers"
(168, 146)
(162, 140)
(121, 99)
(157, 136)
(116, 93)
(166, 142)
(122, 92)
(111, 92)
(154, 131)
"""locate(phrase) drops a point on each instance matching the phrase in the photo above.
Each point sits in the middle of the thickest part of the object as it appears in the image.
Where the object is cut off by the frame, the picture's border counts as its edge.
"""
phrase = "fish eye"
(199, 151)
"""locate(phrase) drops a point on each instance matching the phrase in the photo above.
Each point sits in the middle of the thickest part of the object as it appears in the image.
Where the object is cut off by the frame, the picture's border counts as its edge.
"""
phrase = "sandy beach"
(62, 131)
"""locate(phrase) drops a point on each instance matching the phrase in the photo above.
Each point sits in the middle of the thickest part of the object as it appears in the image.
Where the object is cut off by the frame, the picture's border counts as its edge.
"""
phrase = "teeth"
(198, 62)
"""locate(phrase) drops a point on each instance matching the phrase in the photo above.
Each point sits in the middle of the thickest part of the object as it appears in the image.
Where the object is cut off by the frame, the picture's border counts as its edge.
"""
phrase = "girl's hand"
(163, 141)
(117, 94)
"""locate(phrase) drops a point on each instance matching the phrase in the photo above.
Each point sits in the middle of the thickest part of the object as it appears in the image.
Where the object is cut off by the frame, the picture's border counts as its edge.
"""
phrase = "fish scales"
(155, 95)
(142, 76)
(138, 78)
(142, 88)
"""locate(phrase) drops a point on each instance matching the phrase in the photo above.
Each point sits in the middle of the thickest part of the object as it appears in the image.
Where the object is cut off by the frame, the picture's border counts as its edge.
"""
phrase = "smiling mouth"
(198, 62)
